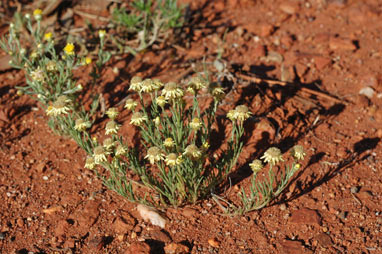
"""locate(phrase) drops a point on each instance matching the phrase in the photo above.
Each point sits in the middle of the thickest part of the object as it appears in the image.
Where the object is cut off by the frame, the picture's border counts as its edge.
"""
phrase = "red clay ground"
(325, 50)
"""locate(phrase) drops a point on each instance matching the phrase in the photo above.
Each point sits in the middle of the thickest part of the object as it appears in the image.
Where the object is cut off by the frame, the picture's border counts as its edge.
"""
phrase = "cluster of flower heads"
(240, 114)
(60, 106)
(101, 152)
(165, 93)
(273, 156)
(155, 154)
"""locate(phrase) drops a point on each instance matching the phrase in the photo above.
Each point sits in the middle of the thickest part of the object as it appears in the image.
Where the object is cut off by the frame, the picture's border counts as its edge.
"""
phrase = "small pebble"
(354, 189)
(282, 207)
(45, 178)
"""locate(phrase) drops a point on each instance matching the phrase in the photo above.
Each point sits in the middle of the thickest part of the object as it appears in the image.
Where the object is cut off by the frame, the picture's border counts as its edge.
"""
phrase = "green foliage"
(49, 76)
(265, 190)
(176, 165)
(147, 22)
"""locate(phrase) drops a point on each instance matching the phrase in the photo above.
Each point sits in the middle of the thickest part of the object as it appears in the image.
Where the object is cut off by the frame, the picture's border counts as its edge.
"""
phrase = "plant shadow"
(304, 187)
(283, 139)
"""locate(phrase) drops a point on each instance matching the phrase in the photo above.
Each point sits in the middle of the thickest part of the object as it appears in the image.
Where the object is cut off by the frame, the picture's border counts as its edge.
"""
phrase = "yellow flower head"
(232, 115)
(130, 104)
(272, 155)
(240, 113)
(171, 91)
(157, 121)
(37, 14)
(197, 83)
(111, 127)
(161, 101)
(171, 160)
(298, 152)
(101, 34)
(169, 143)
(195, 124)
(58, 107)
(108, 144)
(112, 113)
(138, 118)
(205, 146)
(51, 66)
(154, 154)
(48, 36)
(88, 60)
(147, 86)
(81, 124)
(121, 150)
(69, 49)
(99, 155)
(136, 84)
(193, 152)
(38, 75)
(218, 93)
(256, 166)
(90, 163)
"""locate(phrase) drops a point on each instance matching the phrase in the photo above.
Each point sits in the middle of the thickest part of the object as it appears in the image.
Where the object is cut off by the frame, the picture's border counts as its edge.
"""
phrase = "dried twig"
(284, 83)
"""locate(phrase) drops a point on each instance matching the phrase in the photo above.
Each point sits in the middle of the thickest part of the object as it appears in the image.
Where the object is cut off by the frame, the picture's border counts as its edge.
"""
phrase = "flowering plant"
(50, 79)
(263, 191)
(177, 165)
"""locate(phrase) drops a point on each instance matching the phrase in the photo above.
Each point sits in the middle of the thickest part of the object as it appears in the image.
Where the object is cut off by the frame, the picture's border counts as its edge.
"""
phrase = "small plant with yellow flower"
(175, 161)
(49, 76)
(265, 190)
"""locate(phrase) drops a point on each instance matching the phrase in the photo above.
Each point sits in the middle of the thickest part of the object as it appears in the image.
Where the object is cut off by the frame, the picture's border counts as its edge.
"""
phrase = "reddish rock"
(336, 43)
(176, 248)
(139, 248)
(306, 216)
(61, 228)
(20, 222)
(324, 240)
(3, 116)
(321, 62)
(289, 8)
(159, 235)
(89, 214)
(266, 30)
(189, 212)
(214, 243)
(122, 225)
(294, 247)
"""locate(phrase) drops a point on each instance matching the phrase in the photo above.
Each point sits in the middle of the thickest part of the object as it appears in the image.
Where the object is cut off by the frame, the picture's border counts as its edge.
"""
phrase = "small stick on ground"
(284, 83)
